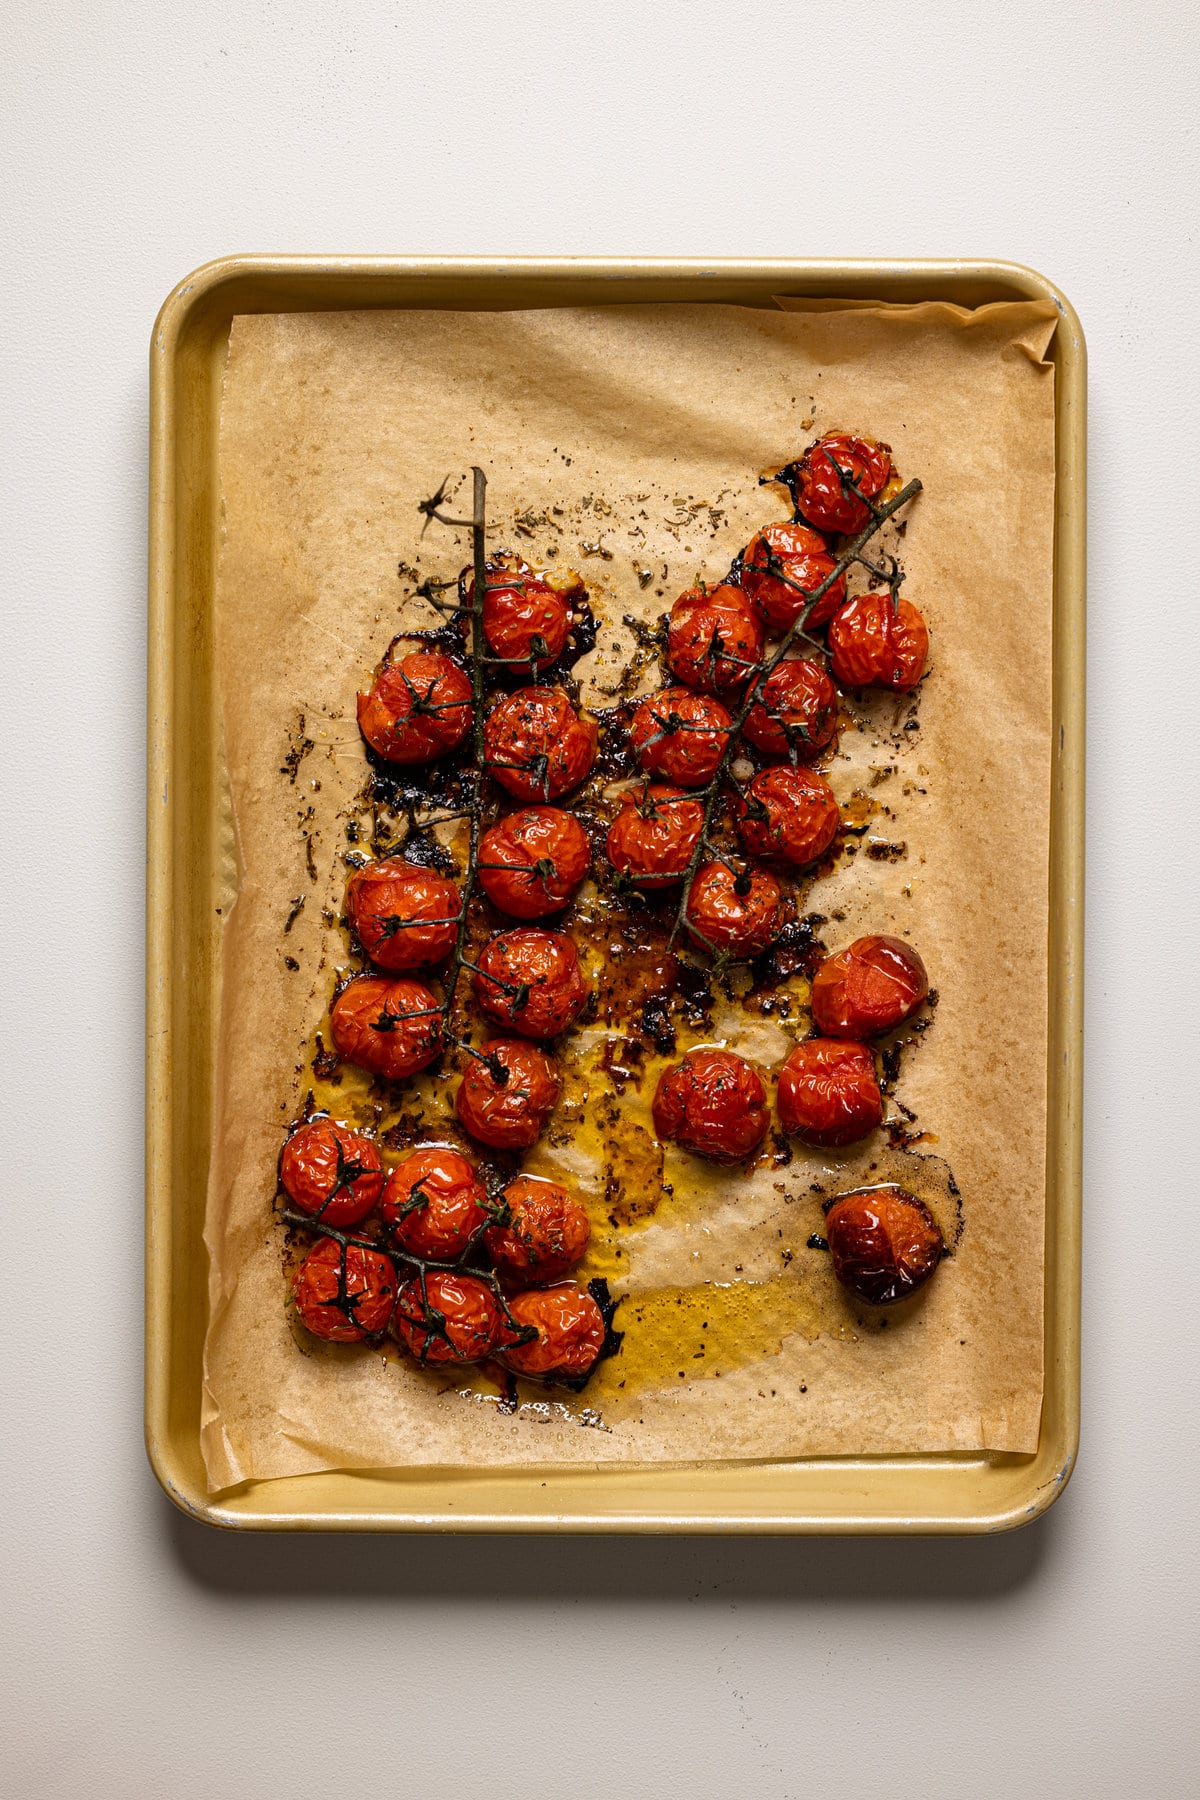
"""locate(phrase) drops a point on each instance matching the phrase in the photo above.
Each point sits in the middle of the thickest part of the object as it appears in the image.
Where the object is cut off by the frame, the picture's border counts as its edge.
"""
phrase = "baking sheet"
(332, 429)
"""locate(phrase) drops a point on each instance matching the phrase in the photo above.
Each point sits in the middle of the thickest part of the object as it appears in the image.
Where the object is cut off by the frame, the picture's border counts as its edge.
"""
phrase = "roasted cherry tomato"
(392, 1028)
(829, 1092)
(434, 1203)
(507, 1114)
(789, 813)
(546, 1234)
(820, 494)
(418, 708)
(680, 735)
(531, 863)
(715, 639)
(885, 1244)
(875, 644)
(404, 915)
(736, 910)
(526, 615)
(536, 744)
(782, 566)
(870, 987)
(531, 980)
(795, 714)
(714, 1104)
(654, 835)
(331, 1172)
(344, 1293)
(453, 1318)
(570, 1333)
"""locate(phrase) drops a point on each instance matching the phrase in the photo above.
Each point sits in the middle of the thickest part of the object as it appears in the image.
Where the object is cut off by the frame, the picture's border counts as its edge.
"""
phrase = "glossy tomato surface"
(870, 987)
(796, 712)
(530, 979)
(782, 567)
(536, 744)
(507, 1114)
(331, 1172)
(546, 1234)
(715, 639)
(391, 1028)
(652, 839)
(434, 1203)
(739, 911)
(452, 1319)
(875, 644)
(404, 915)
(344, 1293)
(829, 1092)
(788, 812)
(885, 1243)
(526, 616)
(680, 735)
(714, 1104)
(570, 1333)
(820, 493)
(531, 863)
(418, 708)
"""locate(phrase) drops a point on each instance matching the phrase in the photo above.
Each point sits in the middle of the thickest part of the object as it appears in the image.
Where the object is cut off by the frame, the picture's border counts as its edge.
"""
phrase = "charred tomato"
(885, 1243)
(739, 911)
(507, 1093)
(875, 642)
(570, 1333)
(680, 735)
(714, 1104)
(787, 812)
(403, 915)
(715, 640)
(870, 987)
(546, 1234)
(654, 835)
(434, 1203)
(391, 1028)
(821, 495)
(343, 1292)
(829, 1092)
(418, 708)
(536, 744)
(531, 863)
(782, 566)
(526, 614)
(531, 980)
(331, 1172)
(795, 714)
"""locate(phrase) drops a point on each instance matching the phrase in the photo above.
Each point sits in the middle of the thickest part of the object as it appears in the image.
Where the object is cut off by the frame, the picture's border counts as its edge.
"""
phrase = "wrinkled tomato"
(418, 708)
(782, 566)
(507, 1113)
(526, 615)
(790, 813)
(870, 987)
(715, 640)
(434, 1203)
(714, 1104)
(531, 980)
(344, 1293)
(531, 863)
(654, 835)
(570, 1333)
(736, 910)
(402, 914)
(680, 735)
(820, 493)
(795, 714)
(875, 644)
(829, 1092)
(452, 1318)
(546, 1234)
(391, 1028)
(885, 1243)
(332, 1172)
(536, 744)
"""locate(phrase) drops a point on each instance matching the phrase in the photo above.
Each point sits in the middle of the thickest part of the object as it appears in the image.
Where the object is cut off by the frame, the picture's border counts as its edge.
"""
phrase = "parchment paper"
(646, 427)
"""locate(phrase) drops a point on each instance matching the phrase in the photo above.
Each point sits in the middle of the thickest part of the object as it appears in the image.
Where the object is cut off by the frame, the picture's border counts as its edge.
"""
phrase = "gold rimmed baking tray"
(931, 1493)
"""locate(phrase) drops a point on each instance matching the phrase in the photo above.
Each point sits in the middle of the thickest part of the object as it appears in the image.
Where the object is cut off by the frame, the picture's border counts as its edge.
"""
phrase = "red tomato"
(536, 744)
(868, 988)
(404, 915)
(820, 495)
(344, 1293)
(654, 834)
(331, 1172)
(789, 813)
(714, 641)
(885, 1244)
(570, 1332)
(525, 616)
(781, 566)
(507, 1114)
(392, 1028)
(531, 980)
(434, 1203)
(720, 917)
(875, 644)
(714, 1104)
(454, 1318)
(680, 735)
(829, 1092)
(418, 708)
(531, 863)
(796, 712)
(547, 1232)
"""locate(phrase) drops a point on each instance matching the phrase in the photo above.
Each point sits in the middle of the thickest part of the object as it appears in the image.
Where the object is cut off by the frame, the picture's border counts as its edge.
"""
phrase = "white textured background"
(144, 1656)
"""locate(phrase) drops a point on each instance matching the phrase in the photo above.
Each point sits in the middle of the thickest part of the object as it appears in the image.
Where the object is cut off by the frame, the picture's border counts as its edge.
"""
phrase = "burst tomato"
(526, 615)
(796, 712)
(820, 494)
(829, 1092)
(715, 640)
(531, 863)
(546, 1234)
(680, 735)
(870, 987)
(740, 911)
(789, 813)
(875, 644)
(509, 1113)
(782, 566)
(391, 1028)
(452, 1319)
(531, 980)
(570, 1333)
(344, 1293)
(654, 835)
(536, 744)
(885, 1243)
(434, 1203)
(419, 707)
(403, 915)
(331, 1172)
(714, 1104)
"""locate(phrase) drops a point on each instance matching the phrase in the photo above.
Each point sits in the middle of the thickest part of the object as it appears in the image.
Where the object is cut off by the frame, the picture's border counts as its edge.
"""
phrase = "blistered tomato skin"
(418, 708)
(738, 911)
(530, 980)
(782, 566)
(390, 1028)
(543, 854)
(507, 1114)
(344, 1302)
(714, 1104)
(820, 495)
(454, 1319)
(680, 735)
(570, 1333)
(796, 712)
(404, 916)
(536, 744)
(434, 1203)
(331, 1172)
(788, 813)
(875, 644)
(885, 1243)
(828, 1092)
(868, 988)
(526, 617)
(546, 1235)
(715, 639)
(654, 835)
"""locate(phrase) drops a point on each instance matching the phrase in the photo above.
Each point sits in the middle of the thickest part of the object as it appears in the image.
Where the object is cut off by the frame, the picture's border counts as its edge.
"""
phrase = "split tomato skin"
(544, 853)
(680, 736)
(390, 1028)
(870, 987)
(454, 1319)
(788, 813)
(331, 1172)
(547, 1232)
(570, 1333)
(820, 495)
(719, 917)
(417, 709)
(404, 916)
(873, 643)
(796, 712)
(508, 1115)
(653, 838)
(434, 1203)
(536, 745)
(344, 1312)
(714, 640)
(884, 1242)
(828, 1092)
(782, 566)
(530, 980)
(714, 1104)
